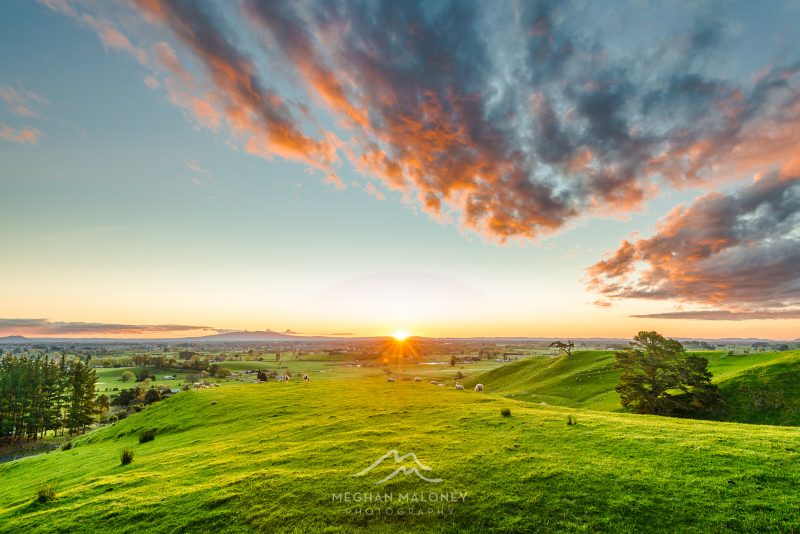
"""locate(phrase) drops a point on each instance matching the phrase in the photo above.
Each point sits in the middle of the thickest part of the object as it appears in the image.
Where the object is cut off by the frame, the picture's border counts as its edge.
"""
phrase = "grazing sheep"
(459, 386)
(417, 379)
(479, 387)
(390, 379)
(306, 377)
(434, 382)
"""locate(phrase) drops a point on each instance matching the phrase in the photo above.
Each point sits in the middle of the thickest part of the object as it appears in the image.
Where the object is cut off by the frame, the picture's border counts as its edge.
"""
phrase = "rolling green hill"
(279, 458)
(758, 388)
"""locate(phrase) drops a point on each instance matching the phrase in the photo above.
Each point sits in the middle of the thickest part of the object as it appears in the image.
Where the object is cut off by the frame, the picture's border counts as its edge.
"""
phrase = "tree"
(102, 403)
(127, 376)
(658, 378)
(453, 361)
(565, 347)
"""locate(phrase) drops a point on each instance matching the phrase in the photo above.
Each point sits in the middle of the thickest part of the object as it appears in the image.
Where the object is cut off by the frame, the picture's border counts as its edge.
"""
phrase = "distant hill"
(254, 336)
(13, 339)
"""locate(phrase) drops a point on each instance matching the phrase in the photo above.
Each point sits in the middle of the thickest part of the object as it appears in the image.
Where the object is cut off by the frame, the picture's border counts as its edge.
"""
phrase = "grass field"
(758, 388)
(272, 457)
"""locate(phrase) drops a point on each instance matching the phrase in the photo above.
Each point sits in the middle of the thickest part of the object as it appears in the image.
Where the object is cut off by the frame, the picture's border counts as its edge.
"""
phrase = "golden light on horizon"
(400, 335)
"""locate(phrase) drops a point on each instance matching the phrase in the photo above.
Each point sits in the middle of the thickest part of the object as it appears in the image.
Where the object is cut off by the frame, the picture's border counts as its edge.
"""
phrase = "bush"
(505, 412)
(46, 492)
(147, 435)
(126, 457)
(459, 375)
(67, 446)
(152, 396)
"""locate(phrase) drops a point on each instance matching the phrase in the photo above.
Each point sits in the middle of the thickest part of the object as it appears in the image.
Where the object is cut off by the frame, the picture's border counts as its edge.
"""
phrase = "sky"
(544, 169)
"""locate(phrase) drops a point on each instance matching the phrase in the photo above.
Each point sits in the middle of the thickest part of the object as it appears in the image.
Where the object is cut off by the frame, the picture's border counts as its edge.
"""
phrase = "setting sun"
(400, 335)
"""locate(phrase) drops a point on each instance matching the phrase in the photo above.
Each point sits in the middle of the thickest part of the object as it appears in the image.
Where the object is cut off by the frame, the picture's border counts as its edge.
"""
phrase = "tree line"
(40, 394)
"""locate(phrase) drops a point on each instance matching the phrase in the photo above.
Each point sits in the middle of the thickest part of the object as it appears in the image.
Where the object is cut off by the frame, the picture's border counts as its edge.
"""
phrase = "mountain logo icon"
(415, 469)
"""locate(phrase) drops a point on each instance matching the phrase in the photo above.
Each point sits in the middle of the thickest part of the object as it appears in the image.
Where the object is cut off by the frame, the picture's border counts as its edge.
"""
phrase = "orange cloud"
(23, 136)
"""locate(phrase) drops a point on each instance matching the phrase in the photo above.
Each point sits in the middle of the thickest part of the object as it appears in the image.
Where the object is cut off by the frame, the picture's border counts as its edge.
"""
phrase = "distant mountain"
(245, 336)
(14, 339)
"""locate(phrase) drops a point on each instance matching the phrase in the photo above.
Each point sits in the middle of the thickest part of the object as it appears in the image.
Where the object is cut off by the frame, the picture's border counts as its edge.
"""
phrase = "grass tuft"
(505, 412)
(46, 493)
(127, 456)
(147, 435)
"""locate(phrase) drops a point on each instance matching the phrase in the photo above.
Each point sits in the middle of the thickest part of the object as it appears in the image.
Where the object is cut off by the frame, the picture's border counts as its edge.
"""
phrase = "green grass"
(767, 393)
(269, 458)
(758, 388)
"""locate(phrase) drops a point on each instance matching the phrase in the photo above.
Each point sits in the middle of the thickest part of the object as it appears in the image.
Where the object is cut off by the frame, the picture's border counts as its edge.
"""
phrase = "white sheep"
(459, 386)
(306, 377)
(479, 387)
(434, 382)
(390, 379)
(417, 379)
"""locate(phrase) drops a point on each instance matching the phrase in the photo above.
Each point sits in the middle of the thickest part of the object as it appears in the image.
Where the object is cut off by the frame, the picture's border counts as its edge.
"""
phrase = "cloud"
(22, 102)
(45, 327)
(737, 253)
(108, 32)
(722, 315)
(515, 120)
(516, 123)
(195, 167)
(254, 112)
(23, 136)
(372, 190)
(335, 181)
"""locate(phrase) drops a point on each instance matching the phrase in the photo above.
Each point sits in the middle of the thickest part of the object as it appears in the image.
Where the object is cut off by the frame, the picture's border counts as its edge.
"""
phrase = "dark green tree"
(659, 378)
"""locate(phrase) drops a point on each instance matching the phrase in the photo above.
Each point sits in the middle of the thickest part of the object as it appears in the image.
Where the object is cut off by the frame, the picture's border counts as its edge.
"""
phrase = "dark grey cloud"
(739, 252)
(722, 315)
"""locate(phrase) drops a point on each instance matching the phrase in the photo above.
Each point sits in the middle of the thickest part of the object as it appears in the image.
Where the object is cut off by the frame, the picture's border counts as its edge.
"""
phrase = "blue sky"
(127, 210)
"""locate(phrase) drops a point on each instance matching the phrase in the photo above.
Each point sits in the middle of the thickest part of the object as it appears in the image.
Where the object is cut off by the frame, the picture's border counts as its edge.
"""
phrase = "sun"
(400, 335)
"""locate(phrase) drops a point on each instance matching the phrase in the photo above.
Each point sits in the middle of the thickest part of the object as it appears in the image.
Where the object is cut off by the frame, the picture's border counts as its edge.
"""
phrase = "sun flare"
(400, 335)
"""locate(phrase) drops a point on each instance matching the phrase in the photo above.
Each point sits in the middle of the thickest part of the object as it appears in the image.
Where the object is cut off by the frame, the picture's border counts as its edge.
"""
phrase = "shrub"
(505, 412)
(147, 435)
(459, 375)
(46, 492)
(572, 420)
(67, 446)
(126, 457)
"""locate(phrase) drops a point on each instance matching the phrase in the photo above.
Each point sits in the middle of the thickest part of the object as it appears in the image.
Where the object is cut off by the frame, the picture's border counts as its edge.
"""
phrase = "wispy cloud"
(45, 327)
(108, 32)
(23, 136)
(21, 102)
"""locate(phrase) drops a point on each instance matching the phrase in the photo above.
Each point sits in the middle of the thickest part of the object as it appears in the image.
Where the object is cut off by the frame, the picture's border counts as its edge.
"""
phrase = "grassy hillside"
(271, 458)
(586, 379)
(758, 388)
(766, 393)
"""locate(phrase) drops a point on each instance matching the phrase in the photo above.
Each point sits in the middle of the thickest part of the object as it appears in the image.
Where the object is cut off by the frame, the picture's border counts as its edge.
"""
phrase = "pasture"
(274, 457)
